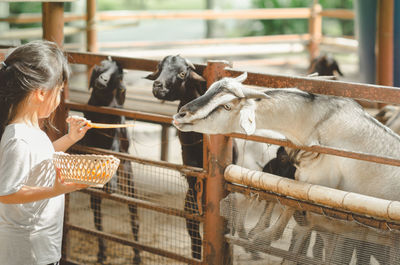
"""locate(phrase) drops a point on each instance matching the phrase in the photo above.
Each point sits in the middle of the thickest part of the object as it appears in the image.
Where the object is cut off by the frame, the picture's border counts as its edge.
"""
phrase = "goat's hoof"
(137, 260)
(196, 255)
(242, 234)
(100, 258)
(261, 241)
(255, 255)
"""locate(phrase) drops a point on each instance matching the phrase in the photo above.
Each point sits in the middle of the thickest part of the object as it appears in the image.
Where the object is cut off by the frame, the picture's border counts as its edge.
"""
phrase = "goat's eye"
(227, 107)
(182, 75)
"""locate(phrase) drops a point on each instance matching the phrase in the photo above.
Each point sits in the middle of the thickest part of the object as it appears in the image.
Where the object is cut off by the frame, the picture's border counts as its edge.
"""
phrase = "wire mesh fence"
(308, 238)
(139, 221)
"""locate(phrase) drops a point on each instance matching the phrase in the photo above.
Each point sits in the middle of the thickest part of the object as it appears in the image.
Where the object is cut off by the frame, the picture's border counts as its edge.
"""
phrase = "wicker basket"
(94, 170)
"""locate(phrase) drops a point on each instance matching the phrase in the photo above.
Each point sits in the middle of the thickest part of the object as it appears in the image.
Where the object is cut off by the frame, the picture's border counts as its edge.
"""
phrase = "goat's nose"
(157, 84)
(104, 77)
(182, 114)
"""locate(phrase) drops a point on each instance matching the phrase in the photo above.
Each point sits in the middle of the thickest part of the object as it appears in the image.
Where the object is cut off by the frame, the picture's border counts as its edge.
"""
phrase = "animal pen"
(160, 189)
(163, 238)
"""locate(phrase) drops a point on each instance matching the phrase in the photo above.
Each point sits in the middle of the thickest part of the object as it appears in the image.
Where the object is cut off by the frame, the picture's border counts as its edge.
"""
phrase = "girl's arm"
(77, 129)
(29, 194)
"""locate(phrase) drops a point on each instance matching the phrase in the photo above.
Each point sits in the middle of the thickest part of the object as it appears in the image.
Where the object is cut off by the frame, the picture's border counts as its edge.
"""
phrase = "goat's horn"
(109, 58)
(252, 93)
(241, 77)
(190, 64)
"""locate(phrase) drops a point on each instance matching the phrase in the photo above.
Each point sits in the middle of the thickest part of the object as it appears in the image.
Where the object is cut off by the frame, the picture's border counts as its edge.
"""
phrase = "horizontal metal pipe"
(193, 171)
(135, 115)
(143, 204)
(322, 149)
(126, 62)
(265, 248)
(386, 94)
(132, 243)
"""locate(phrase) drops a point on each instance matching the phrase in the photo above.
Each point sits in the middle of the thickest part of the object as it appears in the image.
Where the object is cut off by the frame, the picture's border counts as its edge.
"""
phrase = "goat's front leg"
(95, 204)
(264, 220)
(299, 244)
(193, 226)
(126, 185)
(275, 231)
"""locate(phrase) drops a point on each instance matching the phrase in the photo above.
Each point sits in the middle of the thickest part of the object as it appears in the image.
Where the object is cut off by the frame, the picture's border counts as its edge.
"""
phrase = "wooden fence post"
(91, 32)
(217, 155)
(315, 30)
(53, 30)
(385, 43)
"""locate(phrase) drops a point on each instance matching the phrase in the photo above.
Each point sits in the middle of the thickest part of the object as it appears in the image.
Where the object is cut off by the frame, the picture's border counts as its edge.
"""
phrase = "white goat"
(252, 155)
(304, 119)
(390, 116)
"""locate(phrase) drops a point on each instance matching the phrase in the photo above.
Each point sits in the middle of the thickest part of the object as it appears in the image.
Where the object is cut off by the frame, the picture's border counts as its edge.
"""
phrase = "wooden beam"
(53, 30)
(385, 43)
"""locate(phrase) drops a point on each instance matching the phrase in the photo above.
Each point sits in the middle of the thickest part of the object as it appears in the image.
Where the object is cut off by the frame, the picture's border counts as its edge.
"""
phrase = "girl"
(31, 193)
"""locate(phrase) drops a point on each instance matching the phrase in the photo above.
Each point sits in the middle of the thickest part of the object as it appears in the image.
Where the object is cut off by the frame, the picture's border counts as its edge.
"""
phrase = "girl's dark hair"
(32, 66)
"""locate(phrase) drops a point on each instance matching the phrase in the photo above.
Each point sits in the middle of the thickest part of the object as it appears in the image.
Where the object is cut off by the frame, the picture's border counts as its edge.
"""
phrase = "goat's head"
(172, 73)
(226, 107)
(107, 82)
(325, 65)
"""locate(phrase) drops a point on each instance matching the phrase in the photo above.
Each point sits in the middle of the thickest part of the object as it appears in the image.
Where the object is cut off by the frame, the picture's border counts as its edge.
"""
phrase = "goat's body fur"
(304, 119)
(312, 121)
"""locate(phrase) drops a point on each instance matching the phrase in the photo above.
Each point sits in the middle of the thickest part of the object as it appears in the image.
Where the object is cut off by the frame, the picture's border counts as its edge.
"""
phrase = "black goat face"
(170, 77)
(106, 82)
(324, 65)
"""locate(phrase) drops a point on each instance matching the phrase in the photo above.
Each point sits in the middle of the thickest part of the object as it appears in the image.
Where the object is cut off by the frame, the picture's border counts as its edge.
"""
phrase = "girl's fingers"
(76, 120)
(59, 176)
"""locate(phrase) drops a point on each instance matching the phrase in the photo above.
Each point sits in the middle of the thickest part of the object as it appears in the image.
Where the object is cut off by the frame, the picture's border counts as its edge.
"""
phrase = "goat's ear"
(153, 76)
(195, 76)
(121, 93)
(241, 77)
(202, 83)
(92, 78)
(338, 69)
(189, 63)
(247, 119)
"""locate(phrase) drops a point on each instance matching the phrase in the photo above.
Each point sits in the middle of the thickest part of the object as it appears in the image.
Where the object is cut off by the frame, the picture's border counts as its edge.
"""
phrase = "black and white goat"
(176, 79)
(108, 89)
(304, 119)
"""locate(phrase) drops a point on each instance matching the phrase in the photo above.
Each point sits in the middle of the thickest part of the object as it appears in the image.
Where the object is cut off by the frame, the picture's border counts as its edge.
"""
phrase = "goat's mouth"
(178, 123)
(160, 92)
(182, 126)
(100, 84)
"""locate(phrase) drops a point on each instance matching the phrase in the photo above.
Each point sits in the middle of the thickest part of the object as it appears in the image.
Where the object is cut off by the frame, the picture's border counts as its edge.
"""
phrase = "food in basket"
(94, 170)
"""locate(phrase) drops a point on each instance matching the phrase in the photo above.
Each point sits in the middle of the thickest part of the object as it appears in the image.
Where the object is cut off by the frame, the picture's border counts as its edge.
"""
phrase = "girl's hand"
(77, 127)
(60, 187)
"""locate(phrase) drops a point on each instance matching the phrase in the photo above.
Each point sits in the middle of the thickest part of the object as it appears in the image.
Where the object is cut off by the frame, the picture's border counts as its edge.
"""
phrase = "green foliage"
(149, 4)
(330, 26)
(28, 7)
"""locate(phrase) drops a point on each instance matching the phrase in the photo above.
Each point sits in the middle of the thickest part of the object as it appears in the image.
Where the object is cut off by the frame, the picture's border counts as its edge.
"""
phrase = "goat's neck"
(189, 92)
(290, 114)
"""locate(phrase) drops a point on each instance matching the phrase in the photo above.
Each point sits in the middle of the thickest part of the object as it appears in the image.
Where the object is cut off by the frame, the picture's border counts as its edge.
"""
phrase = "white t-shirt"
(30, 233)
